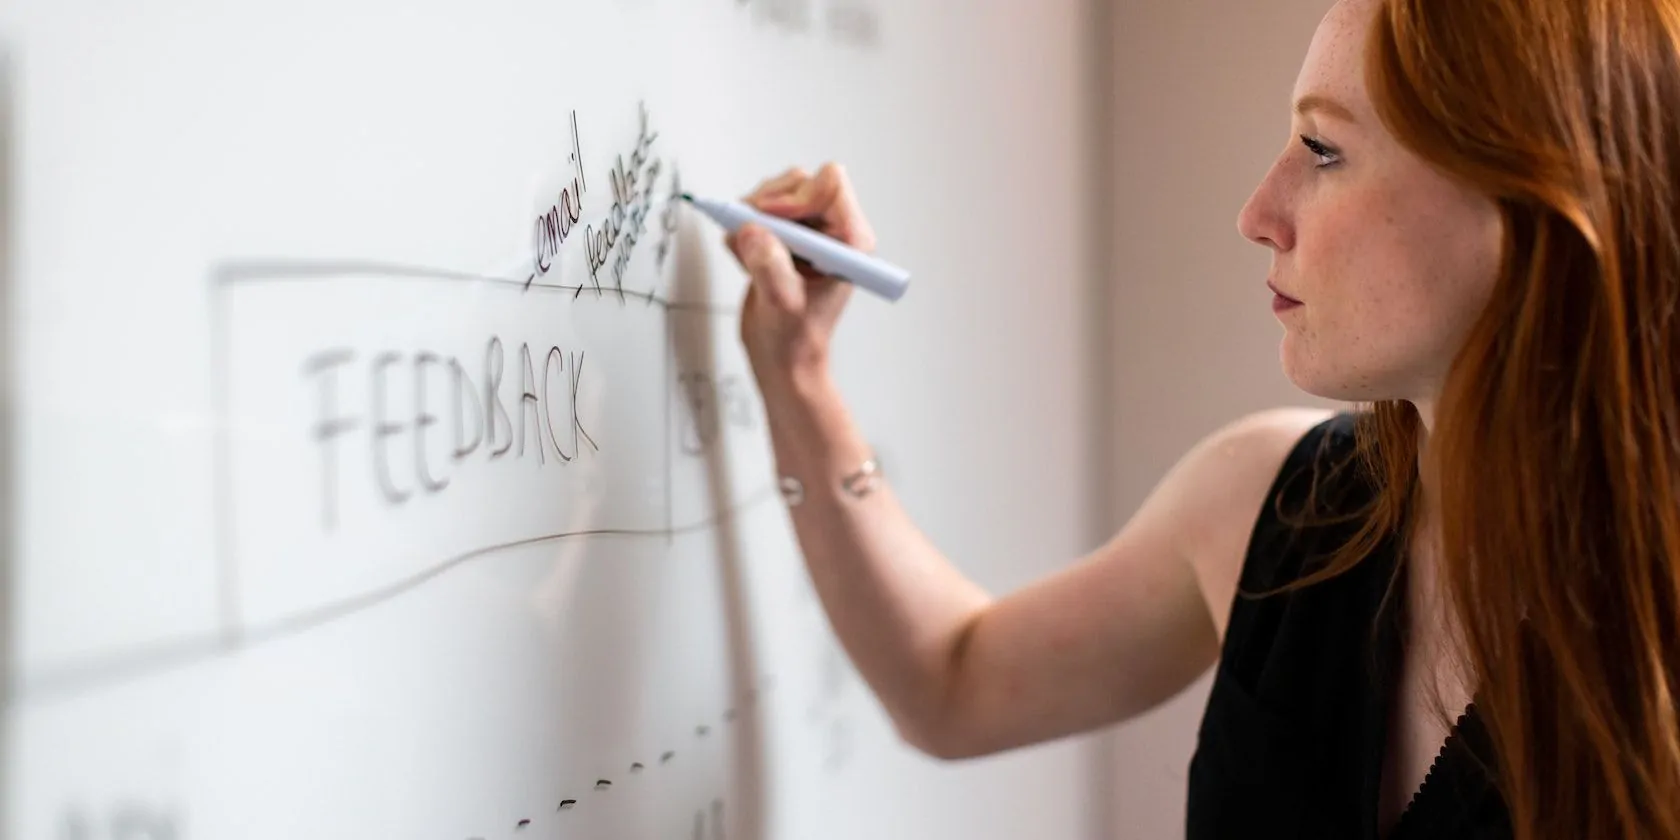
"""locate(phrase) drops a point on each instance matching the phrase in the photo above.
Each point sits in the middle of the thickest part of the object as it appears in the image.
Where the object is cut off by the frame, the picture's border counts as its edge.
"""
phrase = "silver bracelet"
(857, 484)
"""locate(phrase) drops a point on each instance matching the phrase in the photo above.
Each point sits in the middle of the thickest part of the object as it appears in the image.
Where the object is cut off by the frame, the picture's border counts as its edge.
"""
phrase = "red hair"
(1555, 453)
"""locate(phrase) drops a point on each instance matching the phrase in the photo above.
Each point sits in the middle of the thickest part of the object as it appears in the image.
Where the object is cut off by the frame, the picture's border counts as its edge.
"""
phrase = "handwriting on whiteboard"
(610, 236)
(547, 412)
(556, 223)
(713, 402)
(615, 238)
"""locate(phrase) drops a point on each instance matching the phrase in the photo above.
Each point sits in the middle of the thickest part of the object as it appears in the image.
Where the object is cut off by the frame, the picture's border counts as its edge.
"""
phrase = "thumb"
(770, 266)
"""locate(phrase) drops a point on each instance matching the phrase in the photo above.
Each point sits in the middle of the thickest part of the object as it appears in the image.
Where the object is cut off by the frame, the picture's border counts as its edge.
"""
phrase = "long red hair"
(1555, 451)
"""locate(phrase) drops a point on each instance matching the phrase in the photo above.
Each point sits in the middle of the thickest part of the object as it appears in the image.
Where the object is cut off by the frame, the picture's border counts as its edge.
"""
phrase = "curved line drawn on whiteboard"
(241, 273)
(232, 635)
(57, 683)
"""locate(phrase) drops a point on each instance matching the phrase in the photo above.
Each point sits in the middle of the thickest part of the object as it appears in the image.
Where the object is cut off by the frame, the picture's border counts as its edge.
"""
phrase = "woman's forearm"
(898, 606)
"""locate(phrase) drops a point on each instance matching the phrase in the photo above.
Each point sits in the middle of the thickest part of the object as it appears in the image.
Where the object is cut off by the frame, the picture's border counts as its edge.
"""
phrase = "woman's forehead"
(1334, 66)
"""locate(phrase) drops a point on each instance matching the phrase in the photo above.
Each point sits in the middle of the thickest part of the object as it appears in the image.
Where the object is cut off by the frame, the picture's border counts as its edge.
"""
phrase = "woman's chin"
(1309, 372)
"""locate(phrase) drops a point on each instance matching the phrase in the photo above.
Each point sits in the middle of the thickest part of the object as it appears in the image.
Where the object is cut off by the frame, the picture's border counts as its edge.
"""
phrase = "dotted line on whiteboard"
(636, 768)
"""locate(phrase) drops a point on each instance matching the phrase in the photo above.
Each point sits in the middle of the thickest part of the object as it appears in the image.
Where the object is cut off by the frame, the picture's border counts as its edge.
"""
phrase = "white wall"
(1201, 96)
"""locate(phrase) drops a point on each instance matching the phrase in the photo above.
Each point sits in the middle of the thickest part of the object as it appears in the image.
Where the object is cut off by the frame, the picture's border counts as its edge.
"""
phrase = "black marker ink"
(636, 767)
(567, 805)
(577, 422)
(632, 186)
(329, 427)
(383, 429)
(642, 206)
(493, 408)
(522, 825)
(421, 421)
(463, 387)
(528, 404)
(577, 155)
(623, 182)
(666, 758)
(545, 242)
(603, 784)
(548, 402)
(551, 229)
(598, 247)
(644, 137)
(571, 208)
(668, 221)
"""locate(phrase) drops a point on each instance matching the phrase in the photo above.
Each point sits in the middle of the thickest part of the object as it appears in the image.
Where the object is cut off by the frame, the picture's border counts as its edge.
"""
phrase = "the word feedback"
(632, 183)
(544, 419)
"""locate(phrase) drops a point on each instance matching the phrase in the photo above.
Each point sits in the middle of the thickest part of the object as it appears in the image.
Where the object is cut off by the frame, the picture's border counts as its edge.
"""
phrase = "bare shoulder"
(1220, 485)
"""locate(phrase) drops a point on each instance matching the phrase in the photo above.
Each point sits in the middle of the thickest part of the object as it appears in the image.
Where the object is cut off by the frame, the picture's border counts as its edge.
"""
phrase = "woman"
(1455, 613)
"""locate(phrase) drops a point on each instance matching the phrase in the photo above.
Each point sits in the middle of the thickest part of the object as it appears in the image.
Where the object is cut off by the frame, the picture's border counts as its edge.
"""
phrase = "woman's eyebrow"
(1319, 102)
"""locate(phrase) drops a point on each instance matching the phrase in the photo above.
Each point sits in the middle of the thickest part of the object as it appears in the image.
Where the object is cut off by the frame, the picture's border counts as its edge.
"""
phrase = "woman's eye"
(1326, 155)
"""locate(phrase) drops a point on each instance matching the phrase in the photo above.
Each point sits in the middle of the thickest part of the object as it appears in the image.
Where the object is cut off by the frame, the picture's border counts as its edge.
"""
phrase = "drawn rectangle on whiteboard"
(379, 425)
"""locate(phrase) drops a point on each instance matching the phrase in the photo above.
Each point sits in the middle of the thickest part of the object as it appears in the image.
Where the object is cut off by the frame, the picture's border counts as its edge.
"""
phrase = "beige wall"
(1201, 94)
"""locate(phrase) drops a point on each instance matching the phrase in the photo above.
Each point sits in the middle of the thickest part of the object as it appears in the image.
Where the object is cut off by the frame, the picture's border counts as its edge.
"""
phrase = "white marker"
(825, 253)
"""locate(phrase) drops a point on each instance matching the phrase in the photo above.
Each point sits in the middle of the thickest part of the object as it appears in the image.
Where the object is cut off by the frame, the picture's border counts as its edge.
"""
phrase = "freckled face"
(1390, 262)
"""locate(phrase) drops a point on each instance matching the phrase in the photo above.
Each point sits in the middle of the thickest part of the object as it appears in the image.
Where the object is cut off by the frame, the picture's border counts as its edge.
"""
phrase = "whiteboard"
(383, 462)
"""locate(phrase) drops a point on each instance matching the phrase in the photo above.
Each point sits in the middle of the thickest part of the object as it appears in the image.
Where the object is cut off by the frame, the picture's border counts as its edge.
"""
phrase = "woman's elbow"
(940, 737)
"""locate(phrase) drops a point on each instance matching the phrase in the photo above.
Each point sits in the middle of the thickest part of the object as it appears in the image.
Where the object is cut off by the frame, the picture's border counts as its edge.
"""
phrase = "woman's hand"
(790, 312)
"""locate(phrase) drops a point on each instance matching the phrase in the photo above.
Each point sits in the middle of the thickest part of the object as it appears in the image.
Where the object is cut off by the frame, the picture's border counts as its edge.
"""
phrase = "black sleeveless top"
(1292, 740)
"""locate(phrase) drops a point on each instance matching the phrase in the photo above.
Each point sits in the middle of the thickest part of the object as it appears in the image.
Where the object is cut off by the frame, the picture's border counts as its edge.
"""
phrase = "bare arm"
(1130, 625)
(1120, 631)
(959, 672)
